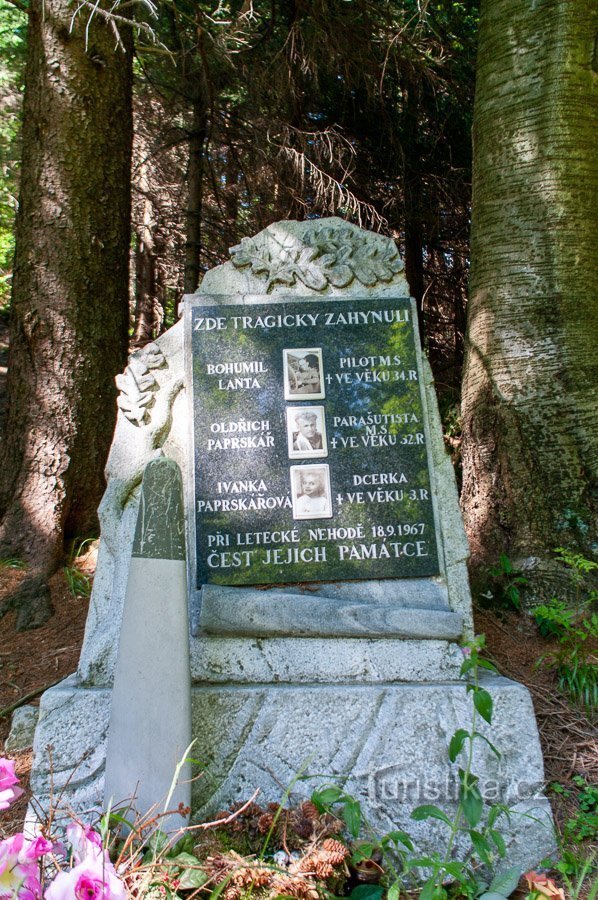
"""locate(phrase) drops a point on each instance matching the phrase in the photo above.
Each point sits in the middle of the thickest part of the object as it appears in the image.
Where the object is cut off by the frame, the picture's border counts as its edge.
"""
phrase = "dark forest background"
(246, 113)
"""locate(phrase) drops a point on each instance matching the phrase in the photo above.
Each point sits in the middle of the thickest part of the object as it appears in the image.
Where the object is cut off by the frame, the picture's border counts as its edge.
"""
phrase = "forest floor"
(32, 661)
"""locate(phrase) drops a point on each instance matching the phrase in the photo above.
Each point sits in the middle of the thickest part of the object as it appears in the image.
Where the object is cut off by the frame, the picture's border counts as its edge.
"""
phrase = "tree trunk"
(146, 321)
(530, 445)
(413, 199)
(197, 140)
(69, 317)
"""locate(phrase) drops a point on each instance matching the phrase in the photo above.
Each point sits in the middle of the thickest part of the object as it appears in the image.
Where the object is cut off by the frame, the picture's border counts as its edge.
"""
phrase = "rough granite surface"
(22, 729)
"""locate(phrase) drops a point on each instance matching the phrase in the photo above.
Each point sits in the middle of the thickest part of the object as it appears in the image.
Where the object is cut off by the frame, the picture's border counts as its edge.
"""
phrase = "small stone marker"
(150, 719)
(22, 729)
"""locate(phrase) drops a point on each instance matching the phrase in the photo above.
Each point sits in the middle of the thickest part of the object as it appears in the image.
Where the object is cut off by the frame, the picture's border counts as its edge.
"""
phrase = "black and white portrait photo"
(306, 432)
(311, 493)
(303, 374)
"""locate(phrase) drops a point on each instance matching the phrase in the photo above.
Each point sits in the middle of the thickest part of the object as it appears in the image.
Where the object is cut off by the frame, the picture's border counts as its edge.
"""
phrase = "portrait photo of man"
(303, 374)
(306, 432)
(311, 493)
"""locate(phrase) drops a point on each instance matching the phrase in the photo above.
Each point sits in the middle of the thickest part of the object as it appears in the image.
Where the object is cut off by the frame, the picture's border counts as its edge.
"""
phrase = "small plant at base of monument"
(79, 584)
(486, 841)
(576, 859)
(575, 626)
(12, 562)
(506, 586)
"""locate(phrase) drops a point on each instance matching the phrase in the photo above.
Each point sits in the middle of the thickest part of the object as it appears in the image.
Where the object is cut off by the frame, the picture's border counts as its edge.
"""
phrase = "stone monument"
(326, 557)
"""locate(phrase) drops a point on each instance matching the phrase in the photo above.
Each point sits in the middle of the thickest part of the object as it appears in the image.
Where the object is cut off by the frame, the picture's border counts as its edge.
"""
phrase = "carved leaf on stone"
(323, 256)
(298, 263)
(247, 253)
(137, 385)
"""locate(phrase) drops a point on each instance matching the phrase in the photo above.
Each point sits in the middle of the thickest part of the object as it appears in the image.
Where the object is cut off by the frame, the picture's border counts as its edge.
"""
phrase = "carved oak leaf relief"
(137, 385)
(320, 257)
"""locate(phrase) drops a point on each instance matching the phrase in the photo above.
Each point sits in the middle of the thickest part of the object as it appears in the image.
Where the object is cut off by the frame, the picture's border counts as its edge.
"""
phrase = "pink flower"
(8, 792)
(37, 848)
(85, 842)
(19, 874)
(93, 879)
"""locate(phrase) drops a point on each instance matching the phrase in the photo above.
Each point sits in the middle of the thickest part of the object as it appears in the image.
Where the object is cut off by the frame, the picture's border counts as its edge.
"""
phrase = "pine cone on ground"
(309, 810)
(265, 822)
(251, 876)
(218, 868)
(303, 827)
(322, 868)
(232, 893)
(294, 887)
(337, 852)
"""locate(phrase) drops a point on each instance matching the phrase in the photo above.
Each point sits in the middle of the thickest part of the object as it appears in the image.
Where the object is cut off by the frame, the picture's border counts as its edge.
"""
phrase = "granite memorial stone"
(327, 580)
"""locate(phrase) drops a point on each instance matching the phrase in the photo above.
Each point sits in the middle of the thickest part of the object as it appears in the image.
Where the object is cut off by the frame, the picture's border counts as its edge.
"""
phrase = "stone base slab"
(386, 744)
(239, 660)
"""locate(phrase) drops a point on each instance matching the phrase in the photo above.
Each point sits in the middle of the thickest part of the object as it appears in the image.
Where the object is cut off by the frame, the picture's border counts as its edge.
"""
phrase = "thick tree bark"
(195, 175)
(530, 444)
(69, 319)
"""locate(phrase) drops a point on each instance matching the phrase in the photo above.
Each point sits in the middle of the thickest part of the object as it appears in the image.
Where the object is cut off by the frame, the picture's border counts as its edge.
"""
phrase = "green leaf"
(506, 564)
(400, 837)
(363, 850)
(483, 703)
(506, 882)
(486, 664)
(467, 665)
(352, 817)
(429, 812)
(326, 797)
(483, 737)
(157, 843)
(431, 891)
(183, 859)
(492, 895)
(455, 868)
(456, 744)
(472, 803)
(499, 843)
(367, 892)
(394, 891)
(423, 862)
(192, 878)
(482, 847)
(185, 844)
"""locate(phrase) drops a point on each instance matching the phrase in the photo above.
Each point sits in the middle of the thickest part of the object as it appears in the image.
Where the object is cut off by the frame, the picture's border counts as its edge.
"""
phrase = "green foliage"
(79, 584)
(12, 562)
(506, 586)
(577, 858)
(575, 626)
(328, 797)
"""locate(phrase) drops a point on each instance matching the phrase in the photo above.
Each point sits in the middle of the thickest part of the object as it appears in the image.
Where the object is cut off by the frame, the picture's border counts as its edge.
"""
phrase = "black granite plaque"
(309, 443)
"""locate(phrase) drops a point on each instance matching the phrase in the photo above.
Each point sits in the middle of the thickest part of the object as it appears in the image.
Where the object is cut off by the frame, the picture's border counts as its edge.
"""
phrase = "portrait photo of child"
(306, 432)
(311, 492)
(303, 374)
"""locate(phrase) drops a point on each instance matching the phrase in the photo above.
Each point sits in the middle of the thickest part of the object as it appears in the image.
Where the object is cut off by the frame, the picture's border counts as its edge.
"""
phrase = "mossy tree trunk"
(530, 444)
(69, 318)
